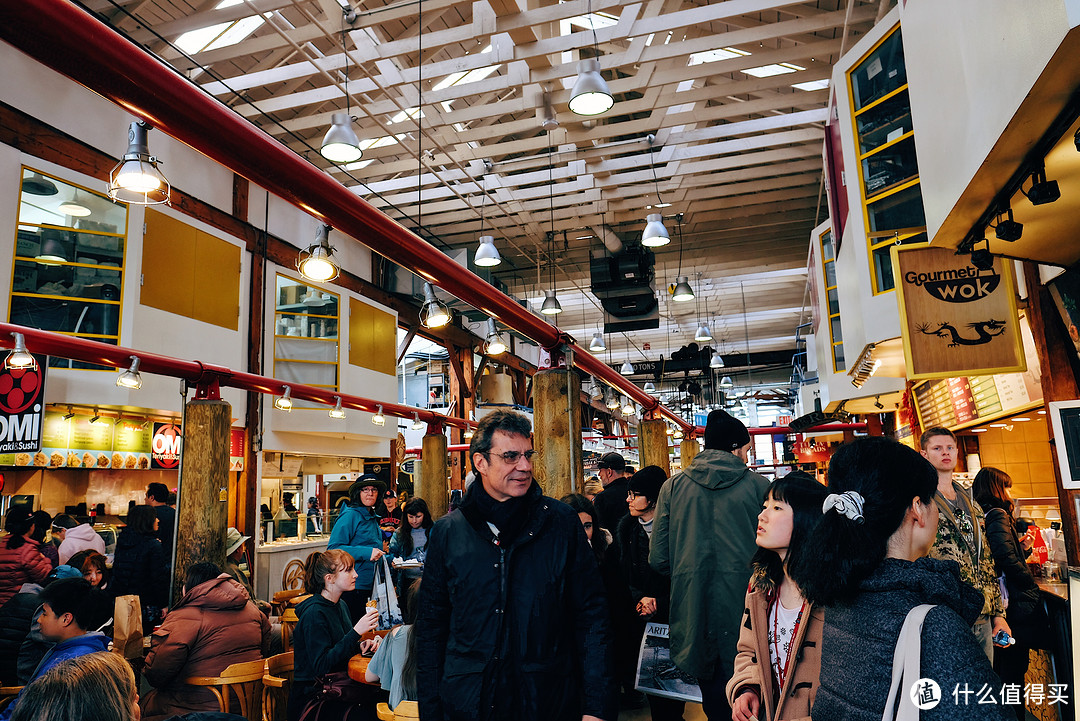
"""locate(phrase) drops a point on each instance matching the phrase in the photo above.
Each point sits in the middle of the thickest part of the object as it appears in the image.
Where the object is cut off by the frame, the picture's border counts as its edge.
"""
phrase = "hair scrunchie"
(848, 503)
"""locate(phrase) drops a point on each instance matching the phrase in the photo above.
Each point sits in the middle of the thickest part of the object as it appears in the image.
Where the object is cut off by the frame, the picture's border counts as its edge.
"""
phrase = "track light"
(340, 144)
(650, 387)
(1042, 191)
(379, 419)
(487, 254)
(655, 234)
(136, 178)
(551, 304)
(314, 263)
(597, 344)
(131, 378)
(683, 292)
(725, 382)
(417, 424)
(717, 361)
(284, 401)
(702, 335)
(627, 368)
(434, 313)
(96, 417)
(495, 343)
(70, 414)
(1008, 229)
(590, 95)
(19, 357)
(982, 258)
(337, 411)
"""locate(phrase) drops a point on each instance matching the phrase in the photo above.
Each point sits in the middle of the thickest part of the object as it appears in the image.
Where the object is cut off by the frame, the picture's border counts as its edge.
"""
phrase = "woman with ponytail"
(866, 562)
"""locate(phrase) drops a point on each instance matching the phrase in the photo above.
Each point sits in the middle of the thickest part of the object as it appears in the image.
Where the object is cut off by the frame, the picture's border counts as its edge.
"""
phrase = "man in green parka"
(703, 537)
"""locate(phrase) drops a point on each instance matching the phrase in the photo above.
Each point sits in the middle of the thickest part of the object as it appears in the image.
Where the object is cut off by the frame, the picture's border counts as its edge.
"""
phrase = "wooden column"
(557, 466)
(653, 445)
(432, 486)
(204, 477)
(687, 450)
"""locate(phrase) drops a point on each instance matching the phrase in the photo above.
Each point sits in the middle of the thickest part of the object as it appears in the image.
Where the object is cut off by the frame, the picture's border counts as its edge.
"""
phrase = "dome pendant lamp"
(551, 304)
(590, 95)
(136, 179)
(597, 344)
(487, 255)
(655, 234)
(683, 292)
(627, 368)
(340, 144)
(433, 314)
(702, 335)
(315, 263)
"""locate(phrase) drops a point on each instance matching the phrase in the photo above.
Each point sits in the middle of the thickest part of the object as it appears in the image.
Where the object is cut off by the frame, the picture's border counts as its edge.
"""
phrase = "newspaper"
(657, 674)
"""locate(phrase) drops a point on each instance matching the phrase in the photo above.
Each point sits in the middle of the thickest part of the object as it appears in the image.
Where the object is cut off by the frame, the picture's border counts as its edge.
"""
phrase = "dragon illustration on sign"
(987, 330)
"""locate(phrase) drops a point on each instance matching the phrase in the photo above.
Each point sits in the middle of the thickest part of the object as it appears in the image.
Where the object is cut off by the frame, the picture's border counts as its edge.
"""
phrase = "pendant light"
(378, 419)
(597, 390)
(725, 382)
(717, 361)
(136, 179)
(19, 357)
(337, 411)
(433, 314)
(416, 424)
(38, 184)
(314, 262)
(650, 387)
(487, 255)
(131, 378)
(73, 207)
(683, 292)
(655, 234)
(628, 408)
(551, 304)
(610, 400)
(590, 94)
(597, 344)
(702, 334)
(340, 144)
(627, 368)
(495, 343)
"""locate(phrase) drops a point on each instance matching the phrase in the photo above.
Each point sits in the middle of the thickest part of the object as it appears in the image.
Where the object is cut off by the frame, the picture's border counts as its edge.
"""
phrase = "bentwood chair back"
(405, 711)
(8, 694)
(277, 683)
(288, 621)
(240, 683)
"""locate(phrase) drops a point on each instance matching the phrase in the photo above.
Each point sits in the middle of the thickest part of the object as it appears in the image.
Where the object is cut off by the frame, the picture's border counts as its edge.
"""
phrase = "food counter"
(271, 559)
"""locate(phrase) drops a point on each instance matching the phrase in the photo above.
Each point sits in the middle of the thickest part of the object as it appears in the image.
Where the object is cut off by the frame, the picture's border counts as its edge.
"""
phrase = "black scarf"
(509, 516)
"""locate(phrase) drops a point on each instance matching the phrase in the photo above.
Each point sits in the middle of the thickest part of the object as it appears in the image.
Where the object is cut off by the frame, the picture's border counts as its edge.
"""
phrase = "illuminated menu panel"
(951, 402)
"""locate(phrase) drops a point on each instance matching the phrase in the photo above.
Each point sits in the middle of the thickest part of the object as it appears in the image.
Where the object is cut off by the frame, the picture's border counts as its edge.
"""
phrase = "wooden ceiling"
(737, 149)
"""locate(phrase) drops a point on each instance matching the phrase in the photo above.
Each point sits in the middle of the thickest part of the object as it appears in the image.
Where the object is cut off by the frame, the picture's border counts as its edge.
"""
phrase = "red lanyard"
(782, 671)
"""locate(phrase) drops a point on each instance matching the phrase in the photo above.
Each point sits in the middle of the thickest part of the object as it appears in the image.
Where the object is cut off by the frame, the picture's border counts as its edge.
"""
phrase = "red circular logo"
(19, 387)
(166, 445)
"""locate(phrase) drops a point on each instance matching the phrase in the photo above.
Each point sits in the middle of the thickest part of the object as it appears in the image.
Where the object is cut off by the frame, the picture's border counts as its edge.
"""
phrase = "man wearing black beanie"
(703, 538)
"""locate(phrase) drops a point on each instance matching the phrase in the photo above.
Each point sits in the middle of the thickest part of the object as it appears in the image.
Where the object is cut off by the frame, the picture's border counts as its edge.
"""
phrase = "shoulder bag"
(905, 670)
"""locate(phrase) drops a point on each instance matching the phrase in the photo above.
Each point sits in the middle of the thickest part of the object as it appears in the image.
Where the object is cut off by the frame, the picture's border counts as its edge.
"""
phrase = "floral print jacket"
(976, 564)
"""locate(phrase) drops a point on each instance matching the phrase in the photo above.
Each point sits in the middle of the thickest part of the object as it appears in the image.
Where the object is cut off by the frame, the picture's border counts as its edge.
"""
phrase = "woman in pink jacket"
(21, 560)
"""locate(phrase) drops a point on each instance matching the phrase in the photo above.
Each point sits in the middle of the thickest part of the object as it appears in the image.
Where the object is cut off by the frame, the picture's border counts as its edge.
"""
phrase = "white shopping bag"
(385, 597)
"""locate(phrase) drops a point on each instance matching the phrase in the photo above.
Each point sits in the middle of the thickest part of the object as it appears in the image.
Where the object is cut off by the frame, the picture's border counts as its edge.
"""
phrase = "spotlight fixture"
(725, 382)
(284, 401)
(982, 258)
(340, 144)
(1042, 191)
(590, 94)
(610, 400)
(19, 357)
(597, 344)
(877, 403)
(627, 368)
(434, 314)
(487, 254)
(702, 334)
(682, 292)
(628, 408)
(131, 378)
(38, 184)
(314, 262)
(73, 207)
(136, 178)
(416, 424)
(337, 411)
(650, 387)
(96, 417)
(551, 304)
(70, 414)
(717, 361)
(1008, 229)
(379, 419)
(655, 234)
(495, 343)
(865, 366)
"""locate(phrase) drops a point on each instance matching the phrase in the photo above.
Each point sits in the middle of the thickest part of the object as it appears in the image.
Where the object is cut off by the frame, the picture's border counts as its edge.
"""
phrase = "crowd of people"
(780, 600)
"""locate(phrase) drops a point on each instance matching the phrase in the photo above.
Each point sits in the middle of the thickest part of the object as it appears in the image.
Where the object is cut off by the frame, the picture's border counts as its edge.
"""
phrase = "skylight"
(220, 35)
(470, 76)
(812, 85)
(409, 113)
(764, 71)
(767, 71)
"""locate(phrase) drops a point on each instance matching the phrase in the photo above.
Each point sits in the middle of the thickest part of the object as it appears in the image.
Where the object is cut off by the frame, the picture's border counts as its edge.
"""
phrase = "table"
(357, 666)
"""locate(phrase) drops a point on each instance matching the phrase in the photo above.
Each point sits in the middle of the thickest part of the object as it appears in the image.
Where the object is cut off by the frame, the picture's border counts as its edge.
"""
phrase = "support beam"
(557, 431)
(431, 486)
(653, 445)
(688, 449)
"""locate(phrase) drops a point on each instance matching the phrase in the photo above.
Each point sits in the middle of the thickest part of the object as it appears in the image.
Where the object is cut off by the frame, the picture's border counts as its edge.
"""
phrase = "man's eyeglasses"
(512, 457)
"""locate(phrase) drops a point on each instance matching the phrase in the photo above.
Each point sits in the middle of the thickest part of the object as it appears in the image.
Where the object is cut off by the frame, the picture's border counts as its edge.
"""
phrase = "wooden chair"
(405, 711)
(240, 680)
(277, 683)
(8, 694)
(281, 599)
(288, 621)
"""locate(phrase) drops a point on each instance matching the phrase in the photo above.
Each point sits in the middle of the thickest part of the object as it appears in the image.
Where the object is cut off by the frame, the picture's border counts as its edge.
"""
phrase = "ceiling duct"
(623, 282)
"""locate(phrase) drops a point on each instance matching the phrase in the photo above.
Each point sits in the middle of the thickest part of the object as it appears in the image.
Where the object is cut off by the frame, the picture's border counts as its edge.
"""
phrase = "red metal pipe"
(72, 42)
(92, 351)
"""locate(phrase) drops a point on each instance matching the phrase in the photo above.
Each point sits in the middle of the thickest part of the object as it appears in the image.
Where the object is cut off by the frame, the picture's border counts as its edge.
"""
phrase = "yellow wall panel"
(217, 299)
(168, 264)
(372, 338)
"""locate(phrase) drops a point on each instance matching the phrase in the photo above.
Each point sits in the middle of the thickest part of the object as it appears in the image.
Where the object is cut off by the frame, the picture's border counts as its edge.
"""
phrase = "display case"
(306, 345)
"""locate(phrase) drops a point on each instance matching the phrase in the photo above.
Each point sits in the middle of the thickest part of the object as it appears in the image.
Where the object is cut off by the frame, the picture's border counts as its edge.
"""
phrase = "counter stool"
(277, 683)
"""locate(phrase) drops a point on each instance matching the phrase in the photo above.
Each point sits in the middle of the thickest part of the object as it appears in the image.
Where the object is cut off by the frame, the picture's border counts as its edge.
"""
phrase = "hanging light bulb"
(136, 178)
(284, 401)
(337, 411)
(19, 357)
(487, 254)
(340, 144)
(655, 234)
(650, 387)
(434, 313)
(131, 378)
(597, 344)
(627, 368)
(669, 431)
(379, 419)
(590, 95)
(683, 292)
(702, 334)
(314, 263)
(551, 304)
(628, 408)
(725, 382)
(495, 343)
(678, 434)
(716, 361)
(610, 400)
(417, 424)
(468, 434)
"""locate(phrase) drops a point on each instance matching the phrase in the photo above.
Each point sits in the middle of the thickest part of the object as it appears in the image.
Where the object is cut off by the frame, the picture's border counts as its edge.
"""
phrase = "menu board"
(80, 442)
(960, 401)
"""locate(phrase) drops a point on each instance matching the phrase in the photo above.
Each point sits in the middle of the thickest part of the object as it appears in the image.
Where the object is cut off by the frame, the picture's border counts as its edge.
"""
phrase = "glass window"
(884, 122)
(306, 336)
(834, 302)
(901, 210)
(69, 261)
(836, 336)
(880, 73)
(888, 167)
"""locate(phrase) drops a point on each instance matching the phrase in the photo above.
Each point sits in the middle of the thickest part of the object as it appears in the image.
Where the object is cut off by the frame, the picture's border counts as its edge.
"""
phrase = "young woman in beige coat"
(779, 649)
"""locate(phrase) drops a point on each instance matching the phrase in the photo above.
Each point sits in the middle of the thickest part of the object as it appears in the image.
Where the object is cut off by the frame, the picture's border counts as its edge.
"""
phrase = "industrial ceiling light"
(284, 401)
(551, 304)
(1008, 229)
(628, 408)
(1042, 191)
(655, 234)
(340, 144)
(678, 434)
(131, 378)
(717, 361)
(669, 431)
(38, 184)
(627, 368)
(487, 254)
(597, 390)
(590, 94)
(73, 207)
(725, 382)
(416, 424)
(337, 411)
(378, 419)
(610, 400)
(314, 262)
(136, 179)
(19, 357)
(52, 250)
(548, 120)
(495, 343)
(597, 344)
(683, 292)
(702, 334)
(650, 387)
(434, 314)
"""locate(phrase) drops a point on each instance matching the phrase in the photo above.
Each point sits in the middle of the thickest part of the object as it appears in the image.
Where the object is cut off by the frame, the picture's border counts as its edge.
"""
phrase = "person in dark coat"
(157, 497)
(512, 618)
(357, 532)
(16, 618)
(140, 567)
(1027, 618)
(611, 502)
(866, 564)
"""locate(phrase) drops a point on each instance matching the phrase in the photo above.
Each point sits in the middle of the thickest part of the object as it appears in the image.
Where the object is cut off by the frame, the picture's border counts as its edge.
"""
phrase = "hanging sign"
(22, 394)
(956, 319)
(165, 446)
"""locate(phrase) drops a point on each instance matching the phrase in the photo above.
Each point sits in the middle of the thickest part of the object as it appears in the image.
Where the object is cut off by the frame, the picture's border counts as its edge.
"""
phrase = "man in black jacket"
(513, 621)
(611, 502)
